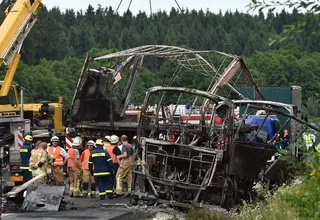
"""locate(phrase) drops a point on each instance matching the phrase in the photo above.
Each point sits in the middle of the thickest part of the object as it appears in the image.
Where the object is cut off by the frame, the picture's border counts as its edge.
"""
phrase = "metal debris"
(43, 198)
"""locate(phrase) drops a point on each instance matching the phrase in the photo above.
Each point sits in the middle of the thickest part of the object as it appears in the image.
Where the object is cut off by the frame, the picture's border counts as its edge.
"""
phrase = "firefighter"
(309, 139)
(125, 166)
(106, 142)
(74, 169)
(36, 145)
(87, 178)
(61, 157)
(40, 161)
(113, 151)
(25, 153)
(100, 165)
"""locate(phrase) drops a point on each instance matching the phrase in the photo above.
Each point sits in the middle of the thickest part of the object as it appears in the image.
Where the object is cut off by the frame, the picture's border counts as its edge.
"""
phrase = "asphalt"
(81, 208)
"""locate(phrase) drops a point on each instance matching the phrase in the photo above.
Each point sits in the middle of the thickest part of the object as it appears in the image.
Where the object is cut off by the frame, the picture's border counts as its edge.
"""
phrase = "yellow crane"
(20, 18)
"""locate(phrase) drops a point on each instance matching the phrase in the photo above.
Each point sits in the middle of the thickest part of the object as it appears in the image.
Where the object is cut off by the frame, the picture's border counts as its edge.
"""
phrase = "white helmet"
(76, 142)
(114, 139)
(90, 143)
(107, 138)
(55, 138)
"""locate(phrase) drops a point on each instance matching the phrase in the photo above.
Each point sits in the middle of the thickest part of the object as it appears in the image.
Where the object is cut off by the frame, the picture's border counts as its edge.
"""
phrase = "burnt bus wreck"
(213, 162)
(191, 156)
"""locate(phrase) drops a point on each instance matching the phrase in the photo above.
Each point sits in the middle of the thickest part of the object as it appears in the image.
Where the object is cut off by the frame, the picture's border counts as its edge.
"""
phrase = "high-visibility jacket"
(25, 153)
(100, 163)
(85, 159)
(109, 149)
(308, 139)
(72, 161)
(57, 155)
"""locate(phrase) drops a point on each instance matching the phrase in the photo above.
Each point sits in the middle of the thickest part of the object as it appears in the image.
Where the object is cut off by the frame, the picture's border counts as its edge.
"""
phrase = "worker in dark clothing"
(25, 153)
(100, 165)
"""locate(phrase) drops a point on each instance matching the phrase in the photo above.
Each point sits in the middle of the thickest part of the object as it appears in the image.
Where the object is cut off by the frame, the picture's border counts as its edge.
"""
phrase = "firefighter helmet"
(90, 143)
(76, 142)
(55, 138)
(99, 142)
(114, 139)
(28, 138)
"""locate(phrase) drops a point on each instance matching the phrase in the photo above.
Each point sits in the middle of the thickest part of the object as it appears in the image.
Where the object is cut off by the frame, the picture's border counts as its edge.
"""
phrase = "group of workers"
(102, 164)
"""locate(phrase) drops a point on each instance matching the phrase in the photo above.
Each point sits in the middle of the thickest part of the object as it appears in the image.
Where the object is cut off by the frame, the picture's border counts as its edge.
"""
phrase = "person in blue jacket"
(25, 153)
(100, 166)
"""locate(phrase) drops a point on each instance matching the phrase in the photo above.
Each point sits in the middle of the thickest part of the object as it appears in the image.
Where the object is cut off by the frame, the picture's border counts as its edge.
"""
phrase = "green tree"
(308, 24)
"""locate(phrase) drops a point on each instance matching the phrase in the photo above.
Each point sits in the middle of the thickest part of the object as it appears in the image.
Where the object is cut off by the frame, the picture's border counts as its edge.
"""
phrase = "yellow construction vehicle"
(17, 119)
(20, 18)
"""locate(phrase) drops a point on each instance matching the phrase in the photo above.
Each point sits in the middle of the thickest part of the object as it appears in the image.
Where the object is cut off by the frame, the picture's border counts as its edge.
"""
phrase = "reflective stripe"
(98, 155)
(90, 162)
(109, 191)
(102, 193)
(109, 159)
(84, 164)
(101, 174)
(24, 168)
(23, 150)
(43, 159)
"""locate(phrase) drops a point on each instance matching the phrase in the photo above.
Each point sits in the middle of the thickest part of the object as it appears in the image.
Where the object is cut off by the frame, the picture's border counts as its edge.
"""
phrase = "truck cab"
(12, 131)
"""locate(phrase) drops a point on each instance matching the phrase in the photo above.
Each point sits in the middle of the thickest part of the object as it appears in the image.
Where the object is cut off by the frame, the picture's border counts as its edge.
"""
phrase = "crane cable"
(196, 36)
(122, 24)
(153, 33)
(118, 6)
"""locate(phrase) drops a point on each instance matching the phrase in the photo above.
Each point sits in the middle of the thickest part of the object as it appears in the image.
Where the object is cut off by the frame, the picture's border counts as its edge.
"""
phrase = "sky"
(143, 5)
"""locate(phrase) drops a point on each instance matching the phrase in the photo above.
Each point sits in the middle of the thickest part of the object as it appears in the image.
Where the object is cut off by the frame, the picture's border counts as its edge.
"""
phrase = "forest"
(53, 53)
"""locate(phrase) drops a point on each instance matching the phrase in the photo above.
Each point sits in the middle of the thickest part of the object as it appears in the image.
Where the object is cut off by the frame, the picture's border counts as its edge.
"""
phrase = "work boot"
(93, 195)
(102, 197)
(77, 195)
(118, 195)
(109, 195)
(85, 195)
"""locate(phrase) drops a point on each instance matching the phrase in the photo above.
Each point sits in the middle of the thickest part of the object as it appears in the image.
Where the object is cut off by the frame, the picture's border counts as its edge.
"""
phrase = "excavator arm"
(20, 18)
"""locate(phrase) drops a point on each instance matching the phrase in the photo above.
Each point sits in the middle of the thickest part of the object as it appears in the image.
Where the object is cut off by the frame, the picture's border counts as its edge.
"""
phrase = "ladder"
(17, 41)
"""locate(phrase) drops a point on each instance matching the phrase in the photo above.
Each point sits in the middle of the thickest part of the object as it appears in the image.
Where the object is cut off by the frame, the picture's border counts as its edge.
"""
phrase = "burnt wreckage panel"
(103, 94)
(213, 162)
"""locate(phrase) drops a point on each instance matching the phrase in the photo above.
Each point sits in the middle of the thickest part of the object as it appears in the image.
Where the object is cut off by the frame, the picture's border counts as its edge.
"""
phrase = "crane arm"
(20, 18)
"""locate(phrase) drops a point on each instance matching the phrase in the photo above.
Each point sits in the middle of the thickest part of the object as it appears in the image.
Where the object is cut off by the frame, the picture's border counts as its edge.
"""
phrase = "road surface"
(81, 208)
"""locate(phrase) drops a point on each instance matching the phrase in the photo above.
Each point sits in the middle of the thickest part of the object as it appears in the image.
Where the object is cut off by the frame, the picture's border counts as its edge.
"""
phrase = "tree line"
(53, 51)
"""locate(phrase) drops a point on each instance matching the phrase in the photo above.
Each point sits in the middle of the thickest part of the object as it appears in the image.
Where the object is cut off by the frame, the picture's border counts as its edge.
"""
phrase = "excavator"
(16, 118)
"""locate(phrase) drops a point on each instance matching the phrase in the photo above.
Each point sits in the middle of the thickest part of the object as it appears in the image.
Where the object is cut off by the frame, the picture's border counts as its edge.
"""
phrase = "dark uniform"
(25, 153)
(100, 165)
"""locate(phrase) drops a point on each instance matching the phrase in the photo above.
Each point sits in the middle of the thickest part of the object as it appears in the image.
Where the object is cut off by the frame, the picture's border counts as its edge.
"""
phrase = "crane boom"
(20, 17)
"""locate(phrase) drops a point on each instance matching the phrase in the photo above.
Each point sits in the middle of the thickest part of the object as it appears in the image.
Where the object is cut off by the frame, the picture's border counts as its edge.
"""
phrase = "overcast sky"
(143, 5)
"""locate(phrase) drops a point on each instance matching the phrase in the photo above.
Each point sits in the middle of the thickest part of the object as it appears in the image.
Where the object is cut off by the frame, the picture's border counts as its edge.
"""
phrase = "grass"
(288, 202)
